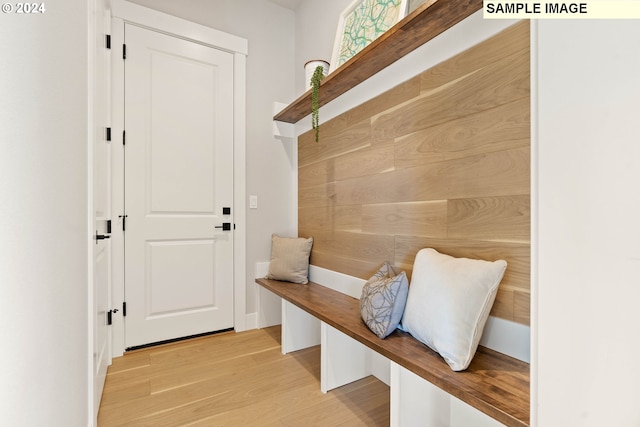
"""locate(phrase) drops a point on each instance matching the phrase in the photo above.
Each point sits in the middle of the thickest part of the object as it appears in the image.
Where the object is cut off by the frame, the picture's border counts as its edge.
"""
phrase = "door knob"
(226, 226)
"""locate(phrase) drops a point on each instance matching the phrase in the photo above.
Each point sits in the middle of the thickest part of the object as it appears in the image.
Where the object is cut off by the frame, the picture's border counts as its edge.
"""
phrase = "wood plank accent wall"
(441, 160)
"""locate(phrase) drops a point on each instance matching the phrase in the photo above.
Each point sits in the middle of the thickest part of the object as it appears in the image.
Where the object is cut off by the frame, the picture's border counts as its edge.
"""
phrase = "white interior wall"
(44, 237)
(588, 237)
(588, 240)
(269, 29)
(316, 26)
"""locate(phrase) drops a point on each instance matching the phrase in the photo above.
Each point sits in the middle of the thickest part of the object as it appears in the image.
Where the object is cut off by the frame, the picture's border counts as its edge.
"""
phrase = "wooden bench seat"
(495, 384)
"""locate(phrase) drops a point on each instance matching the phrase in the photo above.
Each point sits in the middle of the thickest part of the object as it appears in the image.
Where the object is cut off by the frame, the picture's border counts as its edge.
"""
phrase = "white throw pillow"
(449, 302)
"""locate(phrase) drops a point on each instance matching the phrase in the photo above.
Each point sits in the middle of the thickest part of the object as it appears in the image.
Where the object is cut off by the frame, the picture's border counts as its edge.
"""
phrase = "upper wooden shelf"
(426, 22)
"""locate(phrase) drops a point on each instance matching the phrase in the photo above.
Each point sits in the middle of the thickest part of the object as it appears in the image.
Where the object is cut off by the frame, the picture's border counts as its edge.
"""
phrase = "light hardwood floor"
(234, 379)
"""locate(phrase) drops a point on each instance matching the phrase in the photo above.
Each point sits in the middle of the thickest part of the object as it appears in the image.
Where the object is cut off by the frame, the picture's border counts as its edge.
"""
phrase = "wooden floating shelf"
(430, 19)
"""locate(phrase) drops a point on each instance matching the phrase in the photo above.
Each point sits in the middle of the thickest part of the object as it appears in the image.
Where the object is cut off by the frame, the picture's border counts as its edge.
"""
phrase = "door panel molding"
(123, 12)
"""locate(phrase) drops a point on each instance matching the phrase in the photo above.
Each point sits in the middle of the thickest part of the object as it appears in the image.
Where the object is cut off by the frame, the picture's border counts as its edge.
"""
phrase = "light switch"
(253, 202)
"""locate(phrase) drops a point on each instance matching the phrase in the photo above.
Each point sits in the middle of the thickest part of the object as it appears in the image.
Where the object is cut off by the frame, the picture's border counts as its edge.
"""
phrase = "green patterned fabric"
(365, 23)
(383, 299)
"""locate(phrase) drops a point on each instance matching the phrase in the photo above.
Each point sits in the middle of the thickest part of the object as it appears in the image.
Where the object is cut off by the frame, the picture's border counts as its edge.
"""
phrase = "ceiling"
(289, 4)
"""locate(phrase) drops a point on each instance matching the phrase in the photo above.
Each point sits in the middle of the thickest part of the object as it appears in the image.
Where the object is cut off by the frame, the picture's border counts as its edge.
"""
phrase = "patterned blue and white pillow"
(383, 299)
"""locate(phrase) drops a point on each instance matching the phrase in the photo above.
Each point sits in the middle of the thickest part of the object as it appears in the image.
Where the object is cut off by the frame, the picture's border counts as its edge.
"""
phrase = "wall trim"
(534, 222)
(251, 321)
(92, 413)
(178, 27)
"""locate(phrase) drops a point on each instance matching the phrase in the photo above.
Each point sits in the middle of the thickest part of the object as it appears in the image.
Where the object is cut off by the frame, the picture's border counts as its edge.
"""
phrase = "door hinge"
(107, 41)
(124, 309)
(124, 51)
(124, 137)
(124, 221)
(108, 134)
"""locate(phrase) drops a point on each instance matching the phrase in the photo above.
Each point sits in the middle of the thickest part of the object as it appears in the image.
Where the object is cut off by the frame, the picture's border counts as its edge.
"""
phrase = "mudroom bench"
(496, 385)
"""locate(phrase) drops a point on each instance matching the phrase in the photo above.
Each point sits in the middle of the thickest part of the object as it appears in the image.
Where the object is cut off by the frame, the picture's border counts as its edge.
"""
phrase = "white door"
(178, 188)
(101, 203)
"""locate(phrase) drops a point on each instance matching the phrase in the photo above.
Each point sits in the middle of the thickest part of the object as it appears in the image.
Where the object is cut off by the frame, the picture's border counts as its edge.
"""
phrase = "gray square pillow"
(383, 299)
(290, 259)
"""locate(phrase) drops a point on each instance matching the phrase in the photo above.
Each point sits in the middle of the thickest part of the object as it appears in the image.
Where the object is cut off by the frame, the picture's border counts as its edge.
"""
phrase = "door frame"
(98, 23)
(124, 12)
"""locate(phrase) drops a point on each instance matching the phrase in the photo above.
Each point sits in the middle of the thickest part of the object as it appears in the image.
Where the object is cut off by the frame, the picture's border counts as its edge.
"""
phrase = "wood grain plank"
(369, 409)
(461, 140)
(522, 307)
(363, 162)
(377, 159)
(317, 196)
(356, 245)
(318, 173)
(204, 350)
(363, 269)
(232, 391)
(135, 360)
(409, 219)
(501, 128)
(200, 370)
(268, 412)
(220, 394)
(493, 174)
(503, 305)
(508, 42)
(504, 218)
(337, 137)
(399, 94)
(317, 219)
(517, 255)
(118, 388)
(497, 84)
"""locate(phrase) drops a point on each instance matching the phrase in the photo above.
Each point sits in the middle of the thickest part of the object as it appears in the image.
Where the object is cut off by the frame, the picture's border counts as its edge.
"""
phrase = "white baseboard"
(340, 282)
(261, 269)
(510, 338)
(251, 321)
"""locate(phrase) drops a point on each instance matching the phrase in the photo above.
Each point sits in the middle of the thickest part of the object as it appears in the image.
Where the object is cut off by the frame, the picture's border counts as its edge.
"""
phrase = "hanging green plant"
(317, 77)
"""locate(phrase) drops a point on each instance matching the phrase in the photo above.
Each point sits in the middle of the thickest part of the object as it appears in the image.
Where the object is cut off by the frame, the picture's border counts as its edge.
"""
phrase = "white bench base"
(413, 400)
